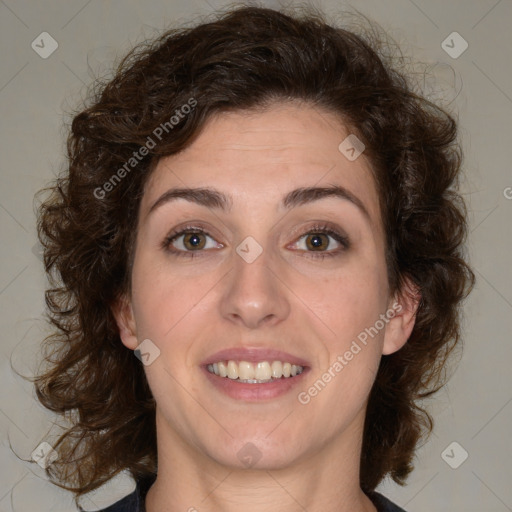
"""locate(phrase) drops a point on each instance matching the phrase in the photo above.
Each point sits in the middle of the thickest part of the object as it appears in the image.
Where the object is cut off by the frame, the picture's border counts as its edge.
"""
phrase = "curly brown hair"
(246, 58)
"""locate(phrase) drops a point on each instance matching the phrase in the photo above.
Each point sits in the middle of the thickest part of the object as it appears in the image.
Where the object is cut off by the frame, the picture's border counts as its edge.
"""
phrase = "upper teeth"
(254, 372)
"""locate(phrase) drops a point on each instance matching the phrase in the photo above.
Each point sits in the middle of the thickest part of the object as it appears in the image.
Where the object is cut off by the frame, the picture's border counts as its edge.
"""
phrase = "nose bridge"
(254, 295)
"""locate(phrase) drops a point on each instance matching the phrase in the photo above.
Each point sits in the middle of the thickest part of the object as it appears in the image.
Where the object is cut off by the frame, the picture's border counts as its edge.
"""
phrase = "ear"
(402, 313)
(123, 313)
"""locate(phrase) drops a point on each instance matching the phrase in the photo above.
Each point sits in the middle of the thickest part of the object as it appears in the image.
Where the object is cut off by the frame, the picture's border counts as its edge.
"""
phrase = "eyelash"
(317, 229)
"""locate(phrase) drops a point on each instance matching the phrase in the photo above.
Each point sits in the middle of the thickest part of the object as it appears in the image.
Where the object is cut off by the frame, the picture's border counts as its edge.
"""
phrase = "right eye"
(190, 240)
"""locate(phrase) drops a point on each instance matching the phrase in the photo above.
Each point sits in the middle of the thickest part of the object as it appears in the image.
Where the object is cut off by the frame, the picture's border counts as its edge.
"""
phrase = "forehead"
(257, 157)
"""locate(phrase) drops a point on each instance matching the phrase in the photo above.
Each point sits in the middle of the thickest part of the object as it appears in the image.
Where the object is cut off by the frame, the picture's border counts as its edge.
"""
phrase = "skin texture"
(286, 299)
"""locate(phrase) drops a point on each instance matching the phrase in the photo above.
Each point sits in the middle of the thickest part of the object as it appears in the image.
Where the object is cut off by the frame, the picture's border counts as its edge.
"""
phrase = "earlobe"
(405, 306)
(123, 313)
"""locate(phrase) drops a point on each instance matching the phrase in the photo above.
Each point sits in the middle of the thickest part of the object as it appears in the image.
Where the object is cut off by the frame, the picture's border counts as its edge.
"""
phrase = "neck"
(187, 480)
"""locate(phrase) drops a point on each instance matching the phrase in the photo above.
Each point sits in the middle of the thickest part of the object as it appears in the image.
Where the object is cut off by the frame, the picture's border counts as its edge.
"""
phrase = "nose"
(253, 296)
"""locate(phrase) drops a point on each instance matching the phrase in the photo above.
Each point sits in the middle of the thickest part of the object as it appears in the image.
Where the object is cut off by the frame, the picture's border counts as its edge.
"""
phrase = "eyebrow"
(211, 198)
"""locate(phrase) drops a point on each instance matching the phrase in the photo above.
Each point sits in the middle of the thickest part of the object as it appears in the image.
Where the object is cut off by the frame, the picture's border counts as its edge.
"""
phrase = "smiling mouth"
(255, 373)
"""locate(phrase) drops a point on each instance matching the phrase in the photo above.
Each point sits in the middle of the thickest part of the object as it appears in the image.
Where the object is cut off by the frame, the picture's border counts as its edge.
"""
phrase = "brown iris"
(317, 241)
(196, 241)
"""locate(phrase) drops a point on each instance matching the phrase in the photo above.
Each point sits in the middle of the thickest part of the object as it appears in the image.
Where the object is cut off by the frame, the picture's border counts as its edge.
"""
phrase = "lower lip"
(254, 392)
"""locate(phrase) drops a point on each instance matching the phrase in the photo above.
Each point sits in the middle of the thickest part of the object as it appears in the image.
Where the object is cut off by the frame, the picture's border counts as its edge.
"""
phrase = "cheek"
(346, 300)
(360, 296)
(349, 302)
(350, 306)
(163, 301)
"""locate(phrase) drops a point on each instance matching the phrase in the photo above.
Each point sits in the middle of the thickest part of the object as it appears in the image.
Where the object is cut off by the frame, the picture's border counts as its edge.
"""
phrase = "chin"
(255, 452)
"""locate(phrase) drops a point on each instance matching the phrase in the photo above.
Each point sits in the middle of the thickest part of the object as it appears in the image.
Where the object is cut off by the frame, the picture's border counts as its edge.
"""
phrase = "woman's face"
(260, 247)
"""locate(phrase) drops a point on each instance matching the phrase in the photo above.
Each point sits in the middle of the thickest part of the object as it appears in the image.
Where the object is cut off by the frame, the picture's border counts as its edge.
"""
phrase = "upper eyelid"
(320, 226)
(296, 232)
(182, 232)
(187, 229)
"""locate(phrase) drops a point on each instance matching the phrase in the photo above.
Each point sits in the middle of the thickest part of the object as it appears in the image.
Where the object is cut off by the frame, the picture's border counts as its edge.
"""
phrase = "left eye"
(319, 242)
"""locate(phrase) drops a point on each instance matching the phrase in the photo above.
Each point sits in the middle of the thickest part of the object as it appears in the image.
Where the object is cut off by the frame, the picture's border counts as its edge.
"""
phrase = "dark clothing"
(134, 502)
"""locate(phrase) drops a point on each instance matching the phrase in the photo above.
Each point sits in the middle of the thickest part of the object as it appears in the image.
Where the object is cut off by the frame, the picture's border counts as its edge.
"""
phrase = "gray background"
(36, 96)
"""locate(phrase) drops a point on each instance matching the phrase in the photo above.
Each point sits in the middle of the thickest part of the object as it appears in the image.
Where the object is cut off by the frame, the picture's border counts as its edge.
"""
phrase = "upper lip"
(254, 355)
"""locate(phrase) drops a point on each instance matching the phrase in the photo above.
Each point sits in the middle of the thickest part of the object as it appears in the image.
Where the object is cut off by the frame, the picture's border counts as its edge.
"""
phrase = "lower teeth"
(254, 381)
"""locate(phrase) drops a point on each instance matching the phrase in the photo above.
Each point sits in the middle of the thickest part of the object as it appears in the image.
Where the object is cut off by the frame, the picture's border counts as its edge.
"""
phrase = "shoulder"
(383, 504)
(130, 503)
(133, 502)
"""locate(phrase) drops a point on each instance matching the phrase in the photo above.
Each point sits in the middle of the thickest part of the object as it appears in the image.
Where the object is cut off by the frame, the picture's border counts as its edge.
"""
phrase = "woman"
(264, 213)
